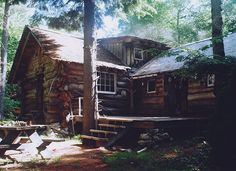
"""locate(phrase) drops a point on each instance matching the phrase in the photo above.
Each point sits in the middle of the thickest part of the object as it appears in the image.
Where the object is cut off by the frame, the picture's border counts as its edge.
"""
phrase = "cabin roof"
(70, 49)
(135, 40)
(169, 63)
(58, 46)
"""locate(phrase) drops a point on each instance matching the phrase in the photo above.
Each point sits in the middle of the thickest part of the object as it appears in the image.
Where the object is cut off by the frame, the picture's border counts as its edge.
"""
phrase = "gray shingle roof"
(169, 63)
(70, 48)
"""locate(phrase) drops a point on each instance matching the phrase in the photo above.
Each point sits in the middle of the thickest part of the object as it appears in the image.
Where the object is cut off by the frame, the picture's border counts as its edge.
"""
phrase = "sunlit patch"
(170, 155)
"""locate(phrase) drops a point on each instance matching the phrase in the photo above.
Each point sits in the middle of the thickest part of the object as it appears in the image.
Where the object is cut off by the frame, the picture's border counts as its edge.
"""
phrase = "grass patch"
(130, 160)
(186, 155)
(75, 137)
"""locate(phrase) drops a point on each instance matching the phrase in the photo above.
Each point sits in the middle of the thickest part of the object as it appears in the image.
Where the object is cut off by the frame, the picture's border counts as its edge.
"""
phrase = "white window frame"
(148, 86)
(115, 81)
(208, 79)
(142, 54)
(80, 106)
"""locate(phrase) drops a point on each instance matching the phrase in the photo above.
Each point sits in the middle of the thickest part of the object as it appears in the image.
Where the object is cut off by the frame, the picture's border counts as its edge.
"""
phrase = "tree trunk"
(217, 40)
(220, 133)
(89, 67)
(217, 27)
(218, 45)
(4, 47)
(177, 26)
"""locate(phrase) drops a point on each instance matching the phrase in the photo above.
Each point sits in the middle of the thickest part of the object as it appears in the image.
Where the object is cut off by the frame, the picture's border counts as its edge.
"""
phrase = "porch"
(111, 129)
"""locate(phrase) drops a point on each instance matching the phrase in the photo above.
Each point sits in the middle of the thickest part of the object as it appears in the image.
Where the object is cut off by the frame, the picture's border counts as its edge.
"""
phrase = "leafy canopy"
(61, 14)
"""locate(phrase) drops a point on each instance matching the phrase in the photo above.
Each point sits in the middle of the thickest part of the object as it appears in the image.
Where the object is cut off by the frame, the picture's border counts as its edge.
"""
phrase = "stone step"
(112, 126)
(103, 131)
(89, 137)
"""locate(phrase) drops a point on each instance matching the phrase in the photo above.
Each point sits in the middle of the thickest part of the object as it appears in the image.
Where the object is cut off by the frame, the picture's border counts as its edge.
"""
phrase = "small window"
(138, 54)
(106, 82)
(80, 106)
(210, 80)
(151, 86)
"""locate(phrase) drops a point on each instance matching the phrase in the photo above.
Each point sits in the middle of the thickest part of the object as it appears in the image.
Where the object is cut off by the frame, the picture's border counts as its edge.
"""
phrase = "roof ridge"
(55, 32)
(206, 39)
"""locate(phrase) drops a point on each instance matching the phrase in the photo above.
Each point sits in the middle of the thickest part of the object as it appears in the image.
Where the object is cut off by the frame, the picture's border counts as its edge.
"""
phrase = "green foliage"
(10, 102)
(12, 46)
(131, 160)
(177, 21)
(182, 155)
(60, 14)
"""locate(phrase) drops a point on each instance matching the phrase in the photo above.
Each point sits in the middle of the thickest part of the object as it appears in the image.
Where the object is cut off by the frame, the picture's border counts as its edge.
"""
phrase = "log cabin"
(159, 93)
(48, 67)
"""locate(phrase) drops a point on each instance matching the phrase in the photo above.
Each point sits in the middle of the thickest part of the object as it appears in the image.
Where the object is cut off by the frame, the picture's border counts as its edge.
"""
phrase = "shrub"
(10, 101)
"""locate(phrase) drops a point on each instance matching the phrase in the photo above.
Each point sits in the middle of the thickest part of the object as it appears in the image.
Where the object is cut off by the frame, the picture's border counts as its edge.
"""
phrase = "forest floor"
(185, 154)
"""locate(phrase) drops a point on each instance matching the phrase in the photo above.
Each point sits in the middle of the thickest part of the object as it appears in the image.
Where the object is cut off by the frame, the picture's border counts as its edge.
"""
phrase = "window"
(138, 54)
(106, 82)
(151, 86)
(80, 106)
(210, 80)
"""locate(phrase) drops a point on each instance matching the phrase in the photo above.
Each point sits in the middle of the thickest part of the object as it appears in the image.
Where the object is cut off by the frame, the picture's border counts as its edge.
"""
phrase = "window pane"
(138, 54)
(106, 82)
(112, 89)
(102, 88)
(99, 88)
(151, 86)
(108, 88)
(99, 81)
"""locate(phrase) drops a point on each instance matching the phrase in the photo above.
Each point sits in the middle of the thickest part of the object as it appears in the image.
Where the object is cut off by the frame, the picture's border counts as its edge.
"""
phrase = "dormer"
(132, 51)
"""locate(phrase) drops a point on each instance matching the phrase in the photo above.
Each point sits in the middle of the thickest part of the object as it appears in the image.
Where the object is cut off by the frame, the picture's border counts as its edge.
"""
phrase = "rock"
(153, 138)
(145, 142)
(154, 131)
(145, 136)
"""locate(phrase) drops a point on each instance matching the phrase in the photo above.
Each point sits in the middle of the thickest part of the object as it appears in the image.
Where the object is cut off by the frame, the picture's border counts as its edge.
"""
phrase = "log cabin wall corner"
(49, 69)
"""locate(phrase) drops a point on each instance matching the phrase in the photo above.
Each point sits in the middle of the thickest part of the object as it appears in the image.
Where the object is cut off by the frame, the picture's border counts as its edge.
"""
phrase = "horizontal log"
(153, 100)
(111, 96)
(200, 91)
(202, 96)
(200, 102)
(114, 103)
(73, 65)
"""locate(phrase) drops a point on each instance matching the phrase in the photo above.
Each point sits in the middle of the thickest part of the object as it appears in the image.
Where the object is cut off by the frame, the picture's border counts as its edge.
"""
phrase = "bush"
(10, 101)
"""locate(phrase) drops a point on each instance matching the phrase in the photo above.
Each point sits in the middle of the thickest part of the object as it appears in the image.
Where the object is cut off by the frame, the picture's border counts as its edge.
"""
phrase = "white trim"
(80, 106)
(141, 54)
(213, 82)
(115, 82)
(148, 86)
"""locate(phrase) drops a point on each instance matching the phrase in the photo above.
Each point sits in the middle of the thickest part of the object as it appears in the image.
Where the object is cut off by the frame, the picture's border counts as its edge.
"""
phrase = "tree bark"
(177, 25)
(89, 67)
(220, 135)
(217, 27)
(4, 47)
(217, 41)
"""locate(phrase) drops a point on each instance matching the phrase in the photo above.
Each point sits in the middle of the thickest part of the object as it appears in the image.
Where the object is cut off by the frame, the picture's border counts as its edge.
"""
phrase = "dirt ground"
(66, 156)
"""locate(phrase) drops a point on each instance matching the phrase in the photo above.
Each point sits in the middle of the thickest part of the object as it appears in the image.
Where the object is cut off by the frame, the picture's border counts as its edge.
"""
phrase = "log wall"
(201, 99)
(125, 51)
(34, 87)
(149, 104)
(118, 103)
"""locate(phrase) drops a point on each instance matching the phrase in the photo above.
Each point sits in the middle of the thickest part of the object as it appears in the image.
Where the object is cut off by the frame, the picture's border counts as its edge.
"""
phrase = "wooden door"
(39, 118)
(176, 95)
(137, 96)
